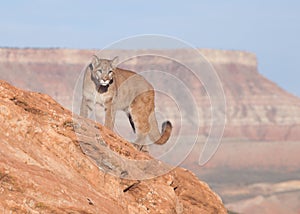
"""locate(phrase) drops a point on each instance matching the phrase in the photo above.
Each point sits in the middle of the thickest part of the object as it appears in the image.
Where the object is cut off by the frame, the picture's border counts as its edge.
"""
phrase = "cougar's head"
(103, 71)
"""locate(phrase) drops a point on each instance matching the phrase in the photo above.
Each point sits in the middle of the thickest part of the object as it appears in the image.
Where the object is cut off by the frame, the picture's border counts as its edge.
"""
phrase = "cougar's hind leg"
(154, 133)
(140, 109)
(142, 130)
(139, 143)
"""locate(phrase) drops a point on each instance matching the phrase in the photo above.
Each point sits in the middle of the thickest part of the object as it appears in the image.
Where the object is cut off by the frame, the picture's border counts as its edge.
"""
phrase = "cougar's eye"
(100, 71)
(110, 72)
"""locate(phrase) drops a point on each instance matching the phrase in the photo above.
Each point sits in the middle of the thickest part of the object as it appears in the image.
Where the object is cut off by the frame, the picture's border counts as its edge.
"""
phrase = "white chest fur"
(103, 98)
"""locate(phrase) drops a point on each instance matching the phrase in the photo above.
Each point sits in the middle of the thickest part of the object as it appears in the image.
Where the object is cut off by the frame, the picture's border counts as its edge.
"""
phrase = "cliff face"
(44, 170)
(73, 56)
(256, 108)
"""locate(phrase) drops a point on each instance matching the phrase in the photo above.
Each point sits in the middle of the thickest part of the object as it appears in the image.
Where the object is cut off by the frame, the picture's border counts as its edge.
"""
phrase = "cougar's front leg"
(110, 114)
(84, 108)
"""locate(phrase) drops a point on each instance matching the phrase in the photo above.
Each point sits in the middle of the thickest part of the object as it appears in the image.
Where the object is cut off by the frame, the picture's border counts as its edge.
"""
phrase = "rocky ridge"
(44, 170)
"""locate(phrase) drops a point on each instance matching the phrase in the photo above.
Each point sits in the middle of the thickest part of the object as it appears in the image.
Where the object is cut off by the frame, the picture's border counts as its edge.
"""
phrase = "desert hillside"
(256, 167)
(45, 169)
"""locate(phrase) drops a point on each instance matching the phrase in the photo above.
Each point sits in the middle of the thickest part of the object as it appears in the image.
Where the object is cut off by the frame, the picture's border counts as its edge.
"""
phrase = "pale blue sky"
(270, 29)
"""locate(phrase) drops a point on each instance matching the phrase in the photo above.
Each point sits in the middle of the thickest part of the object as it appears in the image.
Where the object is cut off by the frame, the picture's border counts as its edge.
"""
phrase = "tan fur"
(118, 89)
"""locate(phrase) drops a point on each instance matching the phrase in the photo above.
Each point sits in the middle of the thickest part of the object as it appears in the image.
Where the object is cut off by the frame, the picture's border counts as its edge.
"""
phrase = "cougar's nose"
(106, 78)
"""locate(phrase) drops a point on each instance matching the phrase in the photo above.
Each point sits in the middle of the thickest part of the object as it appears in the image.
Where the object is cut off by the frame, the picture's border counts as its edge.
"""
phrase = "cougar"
(119, 89)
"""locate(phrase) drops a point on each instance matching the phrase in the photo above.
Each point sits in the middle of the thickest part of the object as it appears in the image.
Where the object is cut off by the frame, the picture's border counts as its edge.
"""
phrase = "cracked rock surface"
(45, 167)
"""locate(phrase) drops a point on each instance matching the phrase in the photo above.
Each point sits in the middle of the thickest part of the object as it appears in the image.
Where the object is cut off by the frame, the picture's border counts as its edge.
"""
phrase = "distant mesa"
(257, 109)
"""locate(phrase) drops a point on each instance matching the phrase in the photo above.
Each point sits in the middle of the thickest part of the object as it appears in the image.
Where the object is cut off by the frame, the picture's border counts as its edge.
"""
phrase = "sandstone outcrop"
(43, 168)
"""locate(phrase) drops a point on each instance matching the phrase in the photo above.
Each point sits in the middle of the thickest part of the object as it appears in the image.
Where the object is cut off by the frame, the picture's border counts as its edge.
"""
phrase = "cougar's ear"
(114, 62)
(95, 62)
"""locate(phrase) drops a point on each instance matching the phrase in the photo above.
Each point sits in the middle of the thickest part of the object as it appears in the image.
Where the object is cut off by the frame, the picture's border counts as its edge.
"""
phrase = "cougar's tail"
(165, 133)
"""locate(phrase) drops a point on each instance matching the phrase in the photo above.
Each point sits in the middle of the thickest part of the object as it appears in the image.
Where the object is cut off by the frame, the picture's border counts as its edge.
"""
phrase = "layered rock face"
(256, 108)
(43, 168)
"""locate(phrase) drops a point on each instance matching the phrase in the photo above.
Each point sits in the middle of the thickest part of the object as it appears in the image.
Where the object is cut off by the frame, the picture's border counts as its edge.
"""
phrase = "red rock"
(44, 170)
